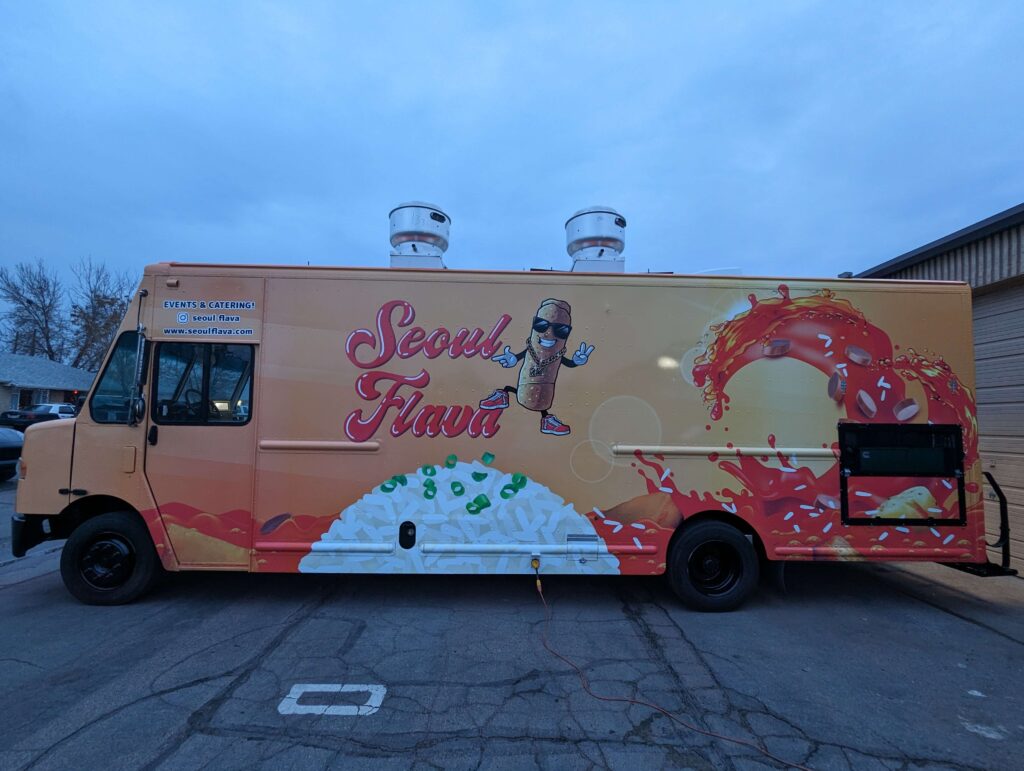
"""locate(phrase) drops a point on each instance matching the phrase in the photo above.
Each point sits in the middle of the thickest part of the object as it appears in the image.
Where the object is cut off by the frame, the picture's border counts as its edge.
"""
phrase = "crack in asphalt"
(200, 718)
(903, 760)
(242, 671)
(26, 663)
(491, 702)
(431, 740)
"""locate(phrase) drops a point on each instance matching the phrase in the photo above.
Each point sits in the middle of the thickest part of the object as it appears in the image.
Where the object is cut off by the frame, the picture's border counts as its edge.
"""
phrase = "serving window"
(899, 474)
(202, 384)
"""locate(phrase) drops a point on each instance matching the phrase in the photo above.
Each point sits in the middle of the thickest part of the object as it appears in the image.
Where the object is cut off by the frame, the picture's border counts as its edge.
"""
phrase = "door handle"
(153, 435)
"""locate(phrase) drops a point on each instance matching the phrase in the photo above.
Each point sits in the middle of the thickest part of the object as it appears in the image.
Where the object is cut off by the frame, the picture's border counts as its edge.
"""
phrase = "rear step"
(988, 569)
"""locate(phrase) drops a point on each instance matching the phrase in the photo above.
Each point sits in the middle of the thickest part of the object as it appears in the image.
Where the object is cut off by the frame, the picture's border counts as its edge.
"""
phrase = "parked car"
(22, 419)
(10, 451)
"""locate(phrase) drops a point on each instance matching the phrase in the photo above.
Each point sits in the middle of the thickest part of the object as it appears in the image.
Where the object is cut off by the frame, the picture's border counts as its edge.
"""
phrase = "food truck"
(418, 420)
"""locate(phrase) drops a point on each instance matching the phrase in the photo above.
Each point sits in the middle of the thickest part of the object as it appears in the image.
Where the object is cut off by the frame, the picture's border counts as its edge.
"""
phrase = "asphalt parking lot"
(854, 667)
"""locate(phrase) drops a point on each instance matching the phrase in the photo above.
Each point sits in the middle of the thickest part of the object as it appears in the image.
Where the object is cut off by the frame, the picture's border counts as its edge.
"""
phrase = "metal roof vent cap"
(419, 235)
(595, 238)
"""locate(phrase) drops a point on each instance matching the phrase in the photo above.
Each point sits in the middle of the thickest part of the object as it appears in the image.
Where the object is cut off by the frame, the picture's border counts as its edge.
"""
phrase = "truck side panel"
(697, 398)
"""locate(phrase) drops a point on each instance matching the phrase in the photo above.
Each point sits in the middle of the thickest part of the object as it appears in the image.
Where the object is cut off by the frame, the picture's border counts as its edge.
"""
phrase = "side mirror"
(138, 410)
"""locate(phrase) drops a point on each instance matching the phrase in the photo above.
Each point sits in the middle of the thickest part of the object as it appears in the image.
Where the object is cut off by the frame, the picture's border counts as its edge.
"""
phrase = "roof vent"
(419, 235)
(595, 238)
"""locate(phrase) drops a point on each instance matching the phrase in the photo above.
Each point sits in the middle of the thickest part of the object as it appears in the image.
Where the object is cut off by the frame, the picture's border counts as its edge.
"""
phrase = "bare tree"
(99, 300)
(34, 322)
(44, 319)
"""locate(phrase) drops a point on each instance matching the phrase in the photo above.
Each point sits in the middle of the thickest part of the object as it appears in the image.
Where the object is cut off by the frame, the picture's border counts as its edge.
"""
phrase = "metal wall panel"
(999, 356)
(998, 257)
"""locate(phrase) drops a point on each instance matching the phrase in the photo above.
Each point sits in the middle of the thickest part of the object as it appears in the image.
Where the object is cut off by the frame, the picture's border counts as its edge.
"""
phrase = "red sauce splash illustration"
(835, 338)
(794, 509)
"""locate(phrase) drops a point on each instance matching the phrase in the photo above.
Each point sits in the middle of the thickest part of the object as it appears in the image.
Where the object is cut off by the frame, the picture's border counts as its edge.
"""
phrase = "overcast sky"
(798, 138)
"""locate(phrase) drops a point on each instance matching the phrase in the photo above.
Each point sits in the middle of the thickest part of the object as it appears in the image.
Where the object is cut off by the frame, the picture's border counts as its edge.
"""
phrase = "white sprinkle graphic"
(830, 353)
(598, 512)
(872, 512)
(903, 529)
(796, 528)
(947, 484)
(947, 539)
(826, 338)
(637, 525)
(827, 527)
(665, 473)
(882, 398)
(788, 516)
(863, 493)
(637, 542)
(805, 506)
(882, 383)
(934, 532)
(730, 507)
(933, 510)
(883, 536)
(665, 489)
(788, 470)
(800, 487)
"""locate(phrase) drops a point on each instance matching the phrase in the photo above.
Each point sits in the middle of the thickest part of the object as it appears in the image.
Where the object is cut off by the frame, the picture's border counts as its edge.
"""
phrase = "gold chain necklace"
(538, 368)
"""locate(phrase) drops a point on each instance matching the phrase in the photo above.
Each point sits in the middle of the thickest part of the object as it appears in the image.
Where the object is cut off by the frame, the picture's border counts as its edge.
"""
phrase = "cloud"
(795, 138)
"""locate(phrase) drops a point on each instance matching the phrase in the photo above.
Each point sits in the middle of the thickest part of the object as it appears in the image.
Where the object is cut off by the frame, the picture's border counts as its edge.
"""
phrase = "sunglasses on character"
(561, 331)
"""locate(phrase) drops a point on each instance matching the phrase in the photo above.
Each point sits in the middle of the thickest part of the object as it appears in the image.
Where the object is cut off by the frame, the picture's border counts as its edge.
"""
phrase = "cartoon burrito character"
(543, 356)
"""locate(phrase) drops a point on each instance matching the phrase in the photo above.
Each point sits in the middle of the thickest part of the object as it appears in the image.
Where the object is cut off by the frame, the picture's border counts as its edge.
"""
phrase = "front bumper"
(26, 532)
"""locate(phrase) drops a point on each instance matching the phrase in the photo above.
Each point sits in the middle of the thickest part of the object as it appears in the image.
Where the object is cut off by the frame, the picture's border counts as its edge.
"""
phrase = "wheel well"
(727, 518)
(86, 508)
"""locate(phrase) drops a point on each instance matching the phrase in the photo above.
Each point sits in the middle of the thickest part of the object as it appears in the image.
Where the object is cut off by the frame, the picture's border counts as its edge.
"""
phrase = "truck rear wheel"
(712, 567)
(109, 560)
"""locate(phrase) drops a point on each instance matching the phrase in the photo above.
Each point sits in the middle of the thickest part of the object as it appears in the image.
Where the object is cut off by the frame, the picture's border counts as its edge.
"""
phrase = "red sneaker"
(552, 425)
(498, 400)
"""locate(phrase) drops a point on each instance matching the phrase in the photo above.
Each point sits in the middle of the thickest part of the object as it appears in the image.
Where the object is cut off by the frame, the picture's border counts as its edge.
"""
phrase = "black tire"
(713, 567)
(110, 560)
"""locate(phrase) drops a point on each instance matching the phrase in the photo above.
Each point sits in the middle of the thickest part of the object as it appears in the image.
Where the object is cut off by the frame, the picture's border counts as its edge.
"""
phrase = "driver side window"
(202, 384)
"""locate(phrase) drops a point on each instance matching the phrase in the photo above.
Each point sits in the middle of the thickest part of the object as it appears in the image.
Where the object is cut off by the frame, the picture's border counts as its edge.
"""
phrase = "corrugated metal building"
(988, 255)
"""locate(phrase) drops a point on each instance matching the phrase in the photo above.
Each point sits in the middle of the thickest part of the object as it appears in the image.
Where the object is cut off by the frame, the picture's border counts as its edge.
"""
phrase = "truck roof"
(216, 268)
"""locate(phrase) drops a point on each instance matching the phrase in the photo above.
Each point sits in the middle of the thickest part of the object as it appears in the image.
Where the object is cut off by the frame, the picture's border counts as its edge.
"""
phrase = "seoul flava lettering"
(399, 397)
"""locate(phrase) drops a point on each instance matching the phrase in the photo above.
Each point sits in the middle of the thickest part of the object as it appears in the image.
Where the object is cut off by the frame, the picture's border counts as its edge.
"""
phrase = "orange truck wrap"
(418, 421)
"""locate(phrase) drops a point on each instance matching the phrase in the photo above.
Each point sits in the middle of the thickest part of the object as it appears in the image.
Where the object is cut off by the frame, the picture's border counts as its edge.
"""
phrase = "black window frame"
(207, 347)
(944, 443)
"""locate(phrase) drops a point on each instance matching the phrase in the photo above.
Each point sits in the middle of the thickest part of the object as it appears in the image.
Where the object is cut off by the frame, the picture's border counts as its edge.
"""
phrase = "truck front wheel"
(712, 566)
(109, 560)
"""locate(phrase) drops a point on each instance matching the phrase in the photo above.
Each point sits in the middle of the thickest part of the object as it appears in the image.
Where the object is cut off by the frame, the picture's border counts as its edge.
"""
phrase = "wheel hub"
(715, 567)
(108, 562)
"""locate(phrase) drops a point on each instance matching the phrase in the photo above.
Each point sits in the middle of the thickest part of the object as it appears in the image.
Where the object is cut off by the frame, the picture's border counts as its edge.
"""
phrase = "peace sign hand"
(506, 358)
(580, 357)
